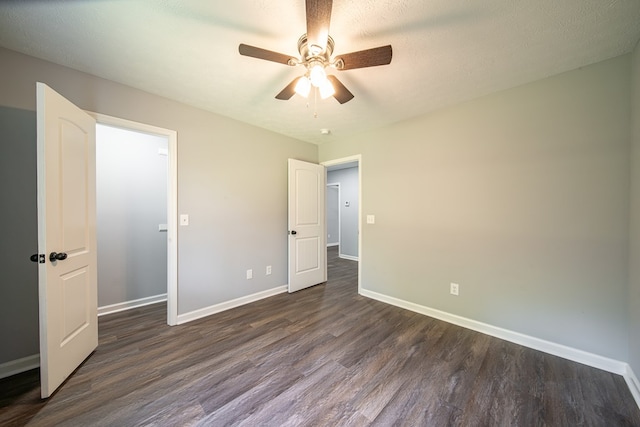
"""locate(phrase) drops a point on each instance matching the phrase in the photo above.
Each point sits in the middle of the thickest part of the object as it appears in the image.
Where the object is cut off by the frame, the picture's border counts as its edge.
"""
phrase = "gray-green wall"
(131, 201)
(521, 197)
(634, 255)
(232, 181)
(18, 231)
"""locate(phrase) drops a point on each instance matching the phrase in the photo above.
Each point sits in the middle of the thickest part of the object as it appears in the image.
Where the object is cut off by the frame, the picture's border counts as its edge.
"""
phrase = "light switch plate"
(184, 219)
(371, 219)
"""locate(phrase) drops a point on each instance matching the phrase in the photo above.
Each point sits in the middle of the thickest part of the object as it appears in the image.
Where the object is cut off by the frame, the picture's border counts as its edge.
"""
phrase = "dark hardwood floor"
(324, 356)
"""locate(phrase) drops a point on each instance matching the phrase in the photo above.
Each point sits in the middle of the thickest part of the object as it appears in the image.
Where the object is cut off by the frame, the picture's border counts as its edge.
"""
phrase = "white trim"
(17, 366)
(329, 245)
(349, 257)
(576, 355)
(128, 305)
(633, 383)
(172, 202)
(217, 308)
(349, 159)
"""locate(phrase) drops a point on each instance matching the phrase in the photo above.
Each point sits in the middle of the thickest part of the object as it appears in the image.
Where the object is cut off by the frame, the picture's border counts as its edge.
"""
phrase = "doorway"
(351, 205)
(137, 216)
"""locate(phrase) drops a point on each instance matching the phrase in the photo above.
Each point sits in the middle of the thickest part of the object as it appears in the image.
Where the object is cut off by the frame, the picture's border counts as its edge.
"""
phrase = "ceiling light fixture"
(303, 87)
(326, 89)
(316, 60)
(316, 77)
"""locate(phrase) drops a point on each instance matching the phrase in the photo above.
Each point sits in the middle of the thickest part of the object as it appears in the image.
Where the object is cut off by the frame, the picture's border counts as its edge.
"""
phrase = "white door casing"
(67, 287)
(307, 226)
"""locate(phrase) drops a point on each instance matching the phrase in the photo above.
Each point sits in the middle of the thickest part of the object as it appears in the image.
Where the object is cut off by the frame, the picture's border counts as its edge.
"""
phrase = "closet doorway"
(136, 216)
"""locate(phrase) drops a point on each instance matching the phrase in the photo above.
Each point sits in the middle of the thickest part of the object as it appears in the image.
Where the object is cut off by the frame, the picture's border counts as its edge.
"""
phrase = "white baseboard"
(17, 366)
(633, 383)
(349, 257)
(580, 356)
(217, 308)
(128, 305)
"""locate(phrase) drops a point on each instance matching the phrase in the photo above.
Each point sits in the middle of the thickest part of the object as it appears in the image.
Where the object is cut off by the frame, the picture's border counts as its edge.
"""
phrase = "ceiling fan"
(315, 48)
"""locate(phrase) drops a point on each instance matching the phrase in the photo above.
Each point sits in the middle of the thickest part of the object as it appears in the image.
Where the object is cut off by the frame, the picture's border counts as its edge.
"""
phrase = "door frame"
(340, 161)
(172, 202)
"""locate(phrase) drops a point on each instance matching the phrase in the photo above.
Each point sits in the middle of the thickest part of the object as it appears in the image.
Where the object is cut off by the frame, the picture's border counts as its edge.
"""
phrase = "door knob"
(39, 258)
(294, 232)
(54, 256)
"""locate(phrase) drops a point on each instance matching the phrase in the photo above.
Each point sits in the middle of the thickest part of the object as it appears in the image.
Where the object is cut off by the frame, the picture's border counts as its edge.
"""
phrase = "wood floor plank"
(324, 356)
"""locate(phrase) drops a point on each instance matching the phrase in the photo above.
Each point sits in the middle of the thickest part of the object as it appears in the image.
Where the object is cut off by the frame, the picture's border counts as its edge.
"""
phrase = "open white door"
(67, 272)
(307, 227)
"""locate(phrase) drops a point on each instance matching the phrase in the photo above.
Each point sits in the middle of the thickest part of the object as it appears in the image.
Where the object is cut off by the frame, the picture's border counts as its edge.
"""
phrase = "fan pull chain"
(315, 102)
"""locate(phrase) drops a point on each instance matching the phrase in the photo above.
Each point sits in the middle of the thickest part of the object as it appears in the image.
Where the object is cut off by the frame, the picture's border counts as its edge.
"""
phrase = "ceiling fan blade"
(289, 90)
(318, 20)
(366, 58)
(342, 93)
(268, 55)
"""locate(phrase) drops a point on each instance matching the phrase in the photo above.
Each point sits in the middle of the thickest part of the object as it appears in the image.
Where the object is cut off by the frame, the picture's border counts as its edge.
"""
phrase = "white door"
(307, 226)
(67, 284)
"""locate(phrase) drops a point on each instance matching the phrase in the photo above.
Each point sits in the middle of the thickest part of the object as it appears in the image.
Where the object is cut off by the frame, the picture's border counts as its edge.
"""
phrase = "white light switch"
(184, 219)
(371, 219)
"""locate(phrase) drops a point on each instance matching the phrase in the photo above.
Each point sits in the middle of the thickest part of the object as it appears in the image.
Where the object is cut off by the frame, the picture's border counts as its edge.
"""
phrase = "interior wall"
(232, 181)
(18, 228)
(333, 215)
(131, 203)
(634, 255)
(521, 197)
(348, 180)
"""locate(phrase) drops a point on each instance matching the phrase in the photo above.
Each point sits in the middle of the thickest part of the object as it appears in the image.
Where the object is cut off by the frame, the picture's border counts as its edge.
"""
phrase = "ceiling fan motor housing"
(311, 55)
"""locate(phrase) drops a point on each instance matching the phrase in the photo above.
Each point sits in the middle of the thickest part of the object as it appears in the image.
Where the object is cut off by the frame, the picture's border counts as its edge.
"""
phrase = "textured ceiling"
(444, 51)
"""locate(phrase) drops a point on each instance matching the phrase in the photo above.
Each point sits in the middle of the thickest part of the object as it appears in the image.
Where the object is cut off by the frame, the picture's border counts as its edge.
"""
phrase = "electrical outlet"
(454, 289)
(268, 270)
(249, 274)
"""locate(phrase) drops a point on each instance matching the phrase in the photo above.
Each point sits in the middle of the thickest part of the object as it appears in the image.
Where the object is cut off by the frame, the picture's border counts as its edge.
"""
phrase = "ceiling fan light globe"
(317, 75)
(303, 87)
(326, 89)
